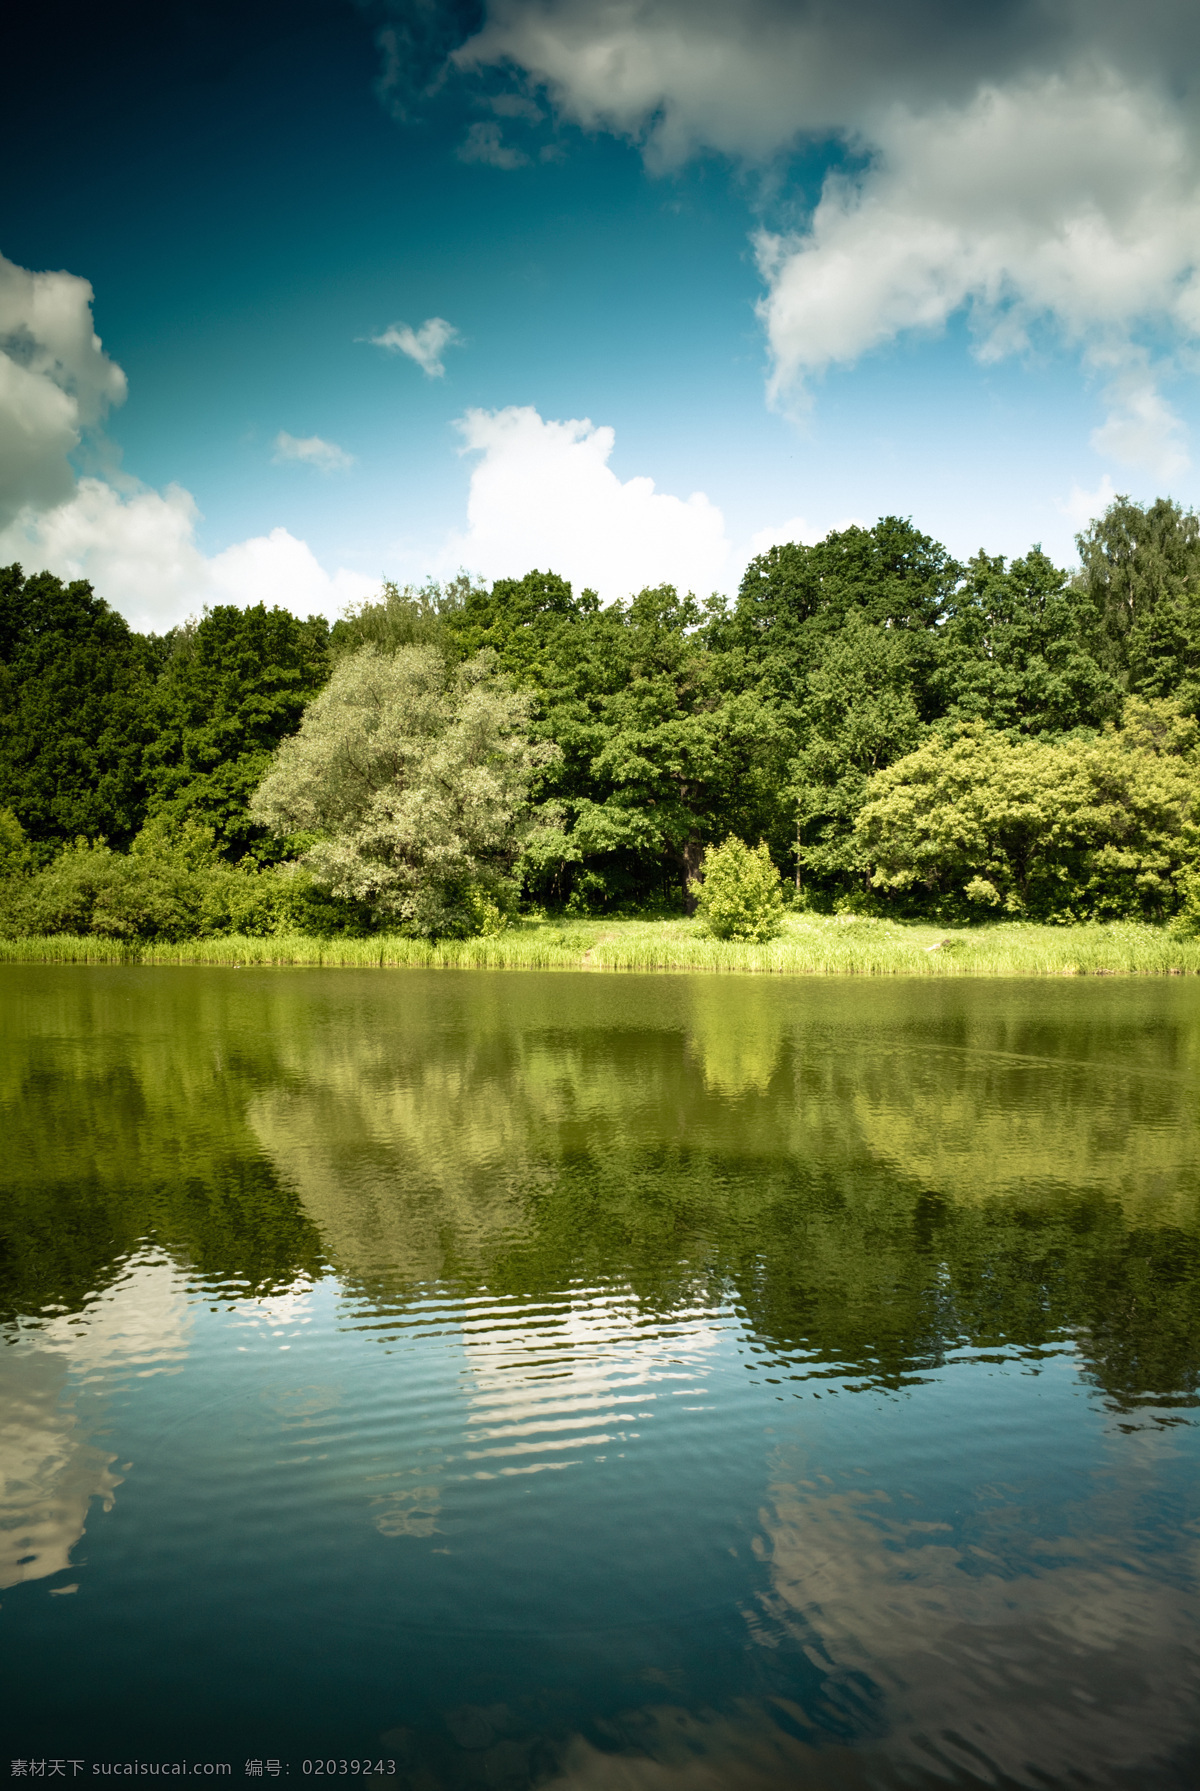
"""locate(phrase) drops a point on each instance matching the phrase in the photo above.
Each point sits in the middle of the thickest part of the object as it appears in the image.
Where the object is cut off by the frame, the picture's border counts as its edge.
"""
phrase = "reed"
(810, 945)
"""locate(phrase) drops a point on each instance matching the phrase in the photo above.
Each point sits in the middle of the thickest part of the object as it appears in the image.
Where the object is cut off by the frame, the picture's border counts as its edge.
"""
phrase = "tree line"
(904, 732)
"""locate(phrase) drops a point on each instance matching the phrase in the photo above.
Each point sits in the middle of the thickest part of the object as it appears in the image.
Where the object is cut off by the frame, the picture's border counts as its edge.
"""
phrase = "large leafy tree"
(794, 599)
(683, 756)
(75, 688)
(1141, 572)
(660, 754)
(1022, 650)
(235, 684)
(412, 781)
(840, 639)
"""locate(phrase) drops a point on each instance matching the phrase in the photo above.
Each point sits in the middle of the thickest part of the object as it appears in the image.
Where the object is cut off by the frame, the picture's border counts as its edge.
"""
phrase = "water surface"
(608, 1382)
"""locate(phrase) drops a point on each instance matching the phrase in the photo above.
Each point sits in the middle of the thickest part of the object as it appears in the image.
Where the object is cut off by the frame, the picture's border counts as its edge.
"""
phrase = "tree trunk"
(690, 858)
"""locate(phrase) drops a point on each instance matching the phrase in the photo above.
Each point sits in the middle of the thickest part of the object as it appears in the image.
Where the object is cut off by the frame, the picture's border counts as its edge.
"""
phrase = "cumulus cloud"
(55, 382)
(1034, 163)
(327, 457)
(543, 494)
(137, 547)
(278, 568)
(424, 346)
(1141, 429)
(139, 551)
(1074, 201)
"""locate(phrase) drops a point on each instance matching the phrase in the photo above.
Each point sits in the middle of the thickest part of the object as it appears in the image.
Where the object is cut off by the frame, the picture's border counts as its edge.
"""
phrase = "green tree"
(739, 895)
(172, 884)
(681, 758)
(234, 686)
(408, 616)
(975, 820)
(75, 688)
(841, 640)
(793, 598)
(1141, 572)
(412, 781)
(659, 754)
(1022, 650)
(858, 714)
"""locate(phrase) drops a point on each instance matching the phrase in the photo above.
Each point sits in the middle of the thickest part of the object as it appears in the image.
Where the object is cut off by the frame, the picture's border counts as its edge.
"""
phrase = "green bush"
(171, 885)
(740, 896)
(977, 823)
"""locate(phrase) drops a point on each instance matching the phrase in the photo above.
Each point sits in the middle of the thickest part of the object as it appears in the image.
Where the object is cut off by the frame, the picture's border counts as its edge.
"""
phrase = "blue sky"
(927, 259)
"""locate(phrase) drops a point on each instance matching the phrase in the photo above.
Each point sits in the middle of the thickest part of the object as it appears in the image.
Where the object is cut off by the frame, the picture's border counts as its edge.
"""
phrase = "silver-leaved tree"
(409, 780)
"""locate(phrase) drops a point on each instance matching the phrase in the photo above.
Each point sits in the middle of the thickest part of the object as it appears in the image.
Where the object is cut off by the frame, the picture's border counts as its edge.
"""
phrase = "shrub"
(740, 896)
(977, 823)
(170, 885)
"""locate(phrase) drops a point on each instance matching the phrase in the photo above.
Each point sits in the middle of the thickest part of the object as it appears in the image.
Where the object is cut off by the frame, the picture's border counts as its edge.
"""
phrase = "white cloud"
(1082, 505)
(136, 546)
(1141, 429)
(484, 142)
(1031, 164)
(544, 495)
(140, 554)
(797, 529)
(55, 382)
(327, 457)
(1077, 202)
(277, 568)
(424, 346)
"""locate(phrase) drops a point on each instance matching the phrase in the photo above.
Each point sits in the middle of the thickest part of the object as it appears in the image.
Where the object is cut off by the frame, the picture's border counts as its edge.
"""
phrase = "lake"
(624, 1383)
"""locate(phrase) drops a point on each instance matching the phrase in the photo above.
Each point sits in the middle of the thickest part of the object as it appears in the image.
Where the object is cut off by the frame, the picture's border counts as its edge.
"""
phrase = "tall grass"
(810, 945)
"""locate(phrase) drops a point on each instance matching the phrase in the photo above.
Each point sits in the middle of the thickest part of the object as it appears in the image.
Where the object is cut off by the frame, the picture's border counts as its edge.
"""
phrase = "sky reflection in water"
(615, 1382)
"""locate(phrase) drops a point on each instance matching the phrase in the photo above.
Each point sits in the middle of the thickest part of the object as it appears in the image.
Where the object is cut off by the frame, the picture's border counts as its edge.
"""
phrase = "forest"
(906, 735)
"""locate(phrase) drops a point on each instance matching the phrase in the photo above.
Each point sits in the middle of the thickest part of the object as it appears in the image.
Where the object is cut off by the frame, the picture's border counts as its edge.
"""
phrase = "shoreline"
(810, 945)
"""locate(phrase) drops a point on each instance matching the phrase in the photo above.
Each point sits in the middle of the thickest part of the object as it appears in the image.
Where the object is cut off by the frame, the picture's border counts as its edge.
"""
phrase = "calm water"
(620, 1383)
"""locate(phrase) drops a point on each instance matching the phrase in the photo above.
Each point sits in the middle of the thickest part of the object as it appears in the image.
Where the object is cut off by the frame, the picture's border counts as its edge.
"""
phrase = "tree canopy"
(411, 781)
(891, 723)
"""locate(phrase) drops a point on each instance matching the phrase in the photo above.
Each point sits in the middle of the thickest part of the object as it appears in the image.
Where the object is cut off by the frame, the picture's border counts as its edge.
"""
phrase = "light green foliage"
(414, 778)
(740, 896)
(1064, 830)
(403, 616)
(15, 856)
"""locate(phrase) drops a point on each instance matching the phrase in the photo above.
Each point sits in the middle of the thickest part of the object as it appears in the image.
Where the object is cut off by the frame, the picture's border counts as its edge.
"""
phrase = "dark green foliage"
(792, 599)
(1019, 650)
(234, 685)
(661, 753)
(1141, 572)
(75, 687)
(675, 726)
(841, 640)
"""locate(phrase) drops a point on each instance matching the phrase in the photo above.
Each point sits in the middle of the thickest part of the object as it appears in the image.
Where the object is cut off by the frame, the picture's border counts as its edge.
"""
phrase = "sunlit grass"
(810, 945)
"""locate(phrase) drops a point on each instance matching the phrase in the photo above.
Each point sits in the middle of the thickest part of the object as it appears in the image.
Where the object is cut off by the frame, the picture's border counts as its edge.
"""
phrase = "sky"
(296, 297)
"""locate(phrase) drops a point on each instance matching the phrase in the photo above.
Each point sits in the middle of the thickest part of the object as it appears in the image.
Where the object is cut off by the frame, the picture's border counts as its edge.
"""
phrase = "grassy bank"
(811, 944)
